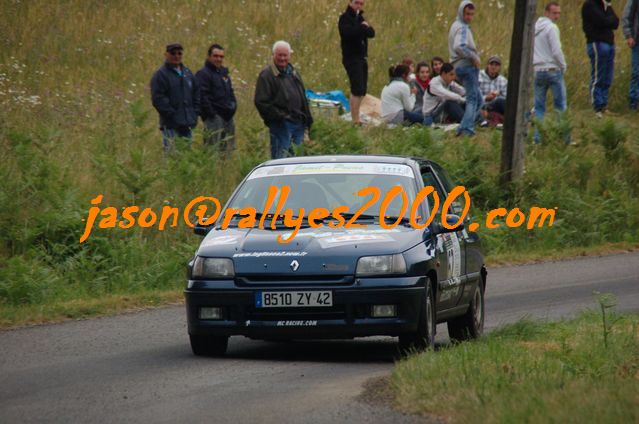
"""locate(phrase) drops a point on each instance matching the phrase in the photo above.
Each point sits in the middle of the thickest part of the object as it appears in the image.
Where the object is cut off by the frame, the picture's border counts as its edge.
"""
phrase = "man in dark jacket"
(630, 27)
(175, 94)
(280, 99)
(599, 23)
(218, 103)
(354, 32)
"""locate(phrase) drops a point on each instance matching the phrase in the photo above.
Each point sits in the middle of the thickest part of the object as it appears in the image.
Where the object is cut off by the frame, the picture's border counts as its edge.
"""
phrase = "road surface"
(139, 367)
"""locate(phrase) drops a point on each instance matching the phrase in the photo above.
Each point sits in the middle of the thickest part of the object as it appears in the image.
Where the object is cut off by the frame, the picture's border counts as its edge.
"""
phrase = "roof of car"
(344, 158)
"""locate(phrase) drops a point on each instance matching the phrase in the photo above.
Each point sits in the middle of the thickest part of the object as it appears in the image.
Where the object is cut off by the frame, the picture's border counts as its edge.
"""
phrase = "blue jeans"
(602, 63)
(169, 135)
(413, 117)
(498, 104)
(453, 110)
(544, 81)
(282, 132)
(469, 77)
(634, 78)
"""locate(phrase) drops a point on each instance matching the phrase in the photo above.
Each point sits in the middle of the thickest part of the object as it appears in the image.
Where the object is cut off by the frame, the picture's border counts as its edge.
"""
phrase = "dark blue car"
(299, 274)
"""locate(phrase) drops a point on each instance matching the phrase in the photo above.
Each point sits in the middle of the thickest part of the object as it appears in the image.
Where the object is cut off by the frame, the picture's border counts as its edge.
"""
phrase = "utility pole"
(519, 88)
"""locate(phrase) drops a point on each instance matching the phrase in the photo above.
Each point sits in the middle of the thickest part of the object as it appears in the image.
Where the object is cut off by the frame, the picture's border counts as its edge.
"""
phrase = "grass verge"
(530, 372)
(24, 315)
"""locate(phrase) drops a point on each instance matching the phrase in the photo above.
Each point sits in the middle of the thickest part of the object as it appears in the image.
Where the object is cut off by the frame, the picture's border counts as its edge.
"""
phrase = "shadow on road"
(378, 350)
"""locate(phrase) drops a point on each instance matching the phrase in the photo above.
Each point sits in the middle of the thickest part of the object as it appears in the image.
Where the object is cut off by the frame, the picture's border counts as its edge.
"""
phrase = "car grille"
(336, 312)
(291, 280)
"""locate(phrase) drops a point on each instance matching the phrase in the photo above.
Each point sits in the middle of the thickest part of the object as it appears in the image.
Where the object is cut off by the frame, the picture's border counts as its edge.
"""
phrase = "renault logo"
(295, 265)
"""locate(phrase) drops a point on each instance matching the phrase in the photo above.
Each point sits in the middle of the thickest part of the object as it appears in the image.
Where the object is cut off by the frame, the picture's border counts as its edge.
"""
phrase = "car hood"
(322, 251)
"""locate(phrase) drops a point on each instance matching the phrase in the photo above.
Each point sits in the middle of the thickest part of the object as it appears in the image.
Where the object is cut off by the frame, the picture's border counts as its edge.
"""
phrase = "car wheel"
(471, 324)
(424, 337)
(209, 345)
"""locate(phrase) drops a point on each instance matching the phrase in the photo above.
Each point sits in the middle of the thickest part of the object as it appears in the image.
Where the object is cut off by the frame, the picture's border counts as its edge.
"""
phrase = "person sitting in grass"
(398, 99)
(420, 84)
(444, 98)
(436, 66)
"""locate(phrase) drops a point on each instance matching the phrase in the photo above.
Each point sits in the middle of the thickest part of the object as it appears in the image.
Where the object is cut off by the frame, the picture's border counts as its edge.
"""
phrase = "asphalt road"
(139, 367)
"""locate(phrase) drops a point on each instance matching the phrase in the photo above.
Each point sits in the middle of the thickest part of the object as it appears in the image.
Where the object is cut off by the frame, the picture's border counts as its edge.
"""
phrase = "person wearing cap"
(175, 94)
(493, 86)
(549, 63)
(218, 103)
(280, 99)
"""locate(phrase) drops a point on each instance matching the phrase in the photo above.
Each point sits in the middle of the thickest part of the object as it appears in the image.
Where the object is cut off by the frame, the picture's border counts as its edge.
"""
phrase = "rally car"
(398, 269)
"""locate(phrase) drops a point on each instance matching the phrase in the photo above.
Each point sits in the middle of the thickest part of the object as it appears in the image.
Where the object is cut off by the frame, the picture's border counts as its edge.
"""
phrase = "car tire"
(424, 337)
(471, 324)
(209, 345)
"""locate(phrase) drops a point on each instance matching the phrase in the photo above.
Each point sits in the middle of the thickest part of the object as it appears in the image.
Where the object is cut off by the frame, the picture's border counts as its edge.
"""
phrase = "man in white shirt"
(549, 63)
(444, 98)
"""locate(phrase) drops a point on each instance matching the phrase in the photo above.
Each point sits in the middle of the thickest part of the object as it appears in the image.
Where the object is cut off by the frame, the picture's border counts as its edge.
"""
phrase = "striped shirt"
(488, 84)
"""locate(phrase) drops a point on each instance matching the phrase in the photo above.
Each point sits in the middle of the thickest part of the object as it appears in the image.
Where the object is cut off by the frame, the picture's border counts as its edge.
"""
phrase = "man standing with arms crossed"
(465, 57)
(175, 94)
(354, 32)
(549, 63)
(630, 27)
(218, 103)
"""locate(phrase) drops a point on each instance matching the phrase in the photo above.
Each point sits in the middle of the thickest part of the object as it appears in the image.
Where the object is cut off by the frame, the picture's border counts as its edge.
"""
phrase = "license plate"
(293, 299)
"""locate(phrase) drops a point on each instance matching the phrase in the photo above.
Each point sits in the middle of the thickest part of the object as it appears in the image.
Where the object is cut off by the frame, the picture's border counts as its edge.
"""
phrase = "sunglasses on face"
(176, 53)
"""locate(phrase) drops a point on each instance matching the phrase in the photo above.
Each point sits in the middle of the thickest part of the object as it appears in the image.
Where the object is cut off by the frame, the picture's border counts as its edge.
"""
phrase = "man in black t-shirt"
(354, 32)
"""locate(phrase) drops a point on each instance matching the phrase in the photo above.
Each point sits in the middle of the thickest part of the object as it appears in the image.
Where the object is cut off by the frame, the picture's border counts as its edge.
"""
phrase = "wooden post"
(519, 88)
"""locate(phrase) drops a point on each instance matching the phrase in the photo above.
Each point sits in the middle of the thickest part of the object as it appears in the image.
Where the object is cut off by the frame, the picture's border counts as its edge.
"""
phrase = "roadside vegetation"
(76, 122)
(530, 372)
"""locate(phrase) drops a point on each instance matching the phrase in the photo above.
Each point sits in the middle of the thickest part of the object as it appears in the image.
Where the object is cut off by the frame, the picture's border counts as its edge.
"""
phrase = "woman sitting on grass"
(398, 99)
(420, 84)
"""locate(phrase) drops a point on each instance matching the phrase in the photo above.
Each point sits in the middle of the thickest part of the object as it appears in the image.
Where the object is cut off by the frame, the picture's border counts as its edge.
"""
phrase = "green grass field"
(76, 121)
(529, 372)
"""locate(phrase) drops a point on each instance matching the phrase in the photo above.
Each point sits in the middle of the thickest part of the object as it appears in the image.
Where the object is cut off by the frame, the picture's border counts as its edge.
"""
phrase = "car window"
(329, 189)
(460, 202)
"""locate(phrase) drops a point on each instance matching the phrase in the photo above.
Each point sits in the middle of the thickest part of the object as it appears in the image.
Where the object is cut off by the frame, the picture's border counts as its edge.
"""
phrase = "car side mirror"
(451, 219)
(202, 230)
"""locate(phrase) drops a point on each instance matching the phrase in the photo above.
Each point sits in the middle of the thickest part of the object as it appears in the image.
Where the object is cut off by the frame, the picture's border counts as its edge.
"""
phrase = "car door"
(449, 247)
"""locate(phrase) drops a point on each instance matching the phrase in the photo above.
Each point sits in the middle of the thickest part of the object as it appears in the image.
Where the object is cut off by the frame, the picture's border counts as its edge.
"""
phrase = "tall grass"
(529, 372)
(76, 121)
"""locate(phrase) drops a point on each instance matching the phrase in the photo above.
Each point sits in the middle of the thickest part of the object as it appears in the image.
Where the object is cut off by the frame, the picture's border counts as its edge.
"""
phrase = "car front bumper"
(350, 315)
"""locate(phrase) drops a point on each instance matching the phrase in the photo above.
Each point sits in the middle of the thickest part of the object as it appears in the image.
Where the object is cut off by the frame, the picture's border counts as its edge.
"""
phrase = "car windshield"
(327, 185)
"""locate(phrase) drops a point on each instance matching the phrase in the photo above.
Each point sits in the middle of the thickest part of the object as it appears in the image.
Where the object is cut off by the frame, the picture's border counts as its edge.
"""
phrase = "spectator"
(493, 87)
(435, 66)
(175, 94)
(281, 101)
(465, 58)
(354, 33)
(218, 103)
(599, 23)
(408, 61)
(420, 84)
(397, 99)
(444, 98)
(549, 63)
(630, 27)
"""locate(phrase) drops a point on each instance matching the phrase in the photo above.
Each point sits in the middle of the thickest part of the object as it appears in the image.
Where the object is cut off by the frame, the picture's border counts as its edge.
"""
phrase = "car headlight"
(205, 268)
(380, 265)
